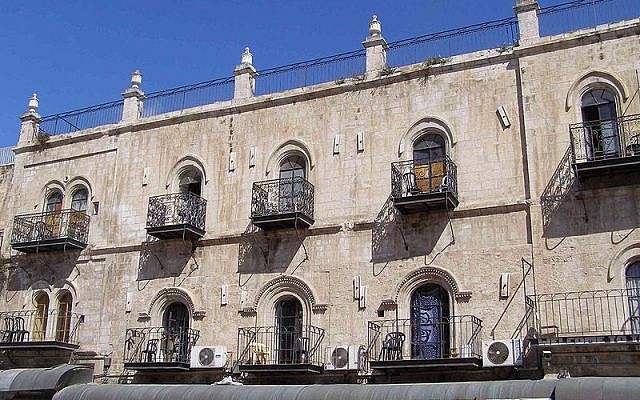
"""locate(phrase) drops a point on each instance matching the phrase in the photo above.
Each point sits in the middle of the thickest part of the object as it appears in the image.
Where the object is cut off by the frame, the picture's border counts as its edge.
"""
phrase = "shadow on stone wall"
(395, 236)
(594, 211)
(261, 252)
(26, 269)
(163, 258)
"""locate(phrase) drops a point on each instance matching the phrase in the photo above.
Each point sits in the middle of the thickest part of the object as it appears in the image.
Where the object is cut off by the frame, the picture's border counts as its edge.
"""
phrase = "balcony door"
(41, 316)
(53, 216)
(78, 210)
(599, 116)
(429, 322)
(633, 293)
(190, 183)
(63, 323)
(288, 330)
(292, 171)
(175, 337)
(428, 160)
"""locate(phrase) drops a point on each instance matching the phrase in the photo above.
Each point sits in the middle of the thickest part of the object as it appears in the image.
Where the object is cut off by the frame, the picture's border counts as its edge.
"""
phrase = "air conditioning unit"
(502, 353)
(208, 357)
(343, 358)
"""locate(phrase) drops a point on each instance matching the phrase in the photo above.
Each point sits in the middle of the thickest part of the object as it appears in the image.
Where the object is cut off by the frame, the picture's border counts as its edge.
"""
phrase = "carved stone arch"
(49, 188)
(592, 80)
(78, 182)
(190, 161)
(424, 275)
(61, 286)
(281, 287)
(36, 288)
(293, 146)
(620, 261)
(428, 124)
(164, 298)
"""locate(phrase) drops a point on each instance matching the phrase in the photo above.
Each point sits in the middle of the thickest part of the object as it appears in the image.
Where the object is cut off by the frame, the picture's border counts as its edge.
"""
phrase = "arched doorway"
(63, 324)
(429, 153)
(41, 302)
(632, 278)
(599, 116)
(288, 328)
(53, 217)
(429, 322)
(175, 336)
(190, 181)
(292, 172)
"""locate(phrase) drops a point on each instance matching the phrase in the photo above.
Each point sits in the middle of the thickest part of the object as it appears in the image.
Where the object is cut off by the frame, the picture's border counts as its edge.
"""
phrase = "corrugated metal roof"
(43, 379)
(572, 388)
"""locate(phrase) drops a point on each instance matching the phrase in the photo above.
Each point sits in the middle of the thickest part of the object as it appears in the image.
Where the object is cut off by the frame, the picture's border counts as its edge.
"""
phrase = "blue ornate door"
(429, 323)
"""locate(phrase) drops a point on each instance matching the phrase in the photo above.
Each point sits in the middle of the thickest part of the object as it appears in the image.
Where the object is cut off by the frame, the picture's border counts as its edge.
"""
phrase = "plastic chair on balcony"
(150, 353)
(303, 349)
(392, 346)
(410, 183)
(7, 333)
(259, 353)
(19, 333)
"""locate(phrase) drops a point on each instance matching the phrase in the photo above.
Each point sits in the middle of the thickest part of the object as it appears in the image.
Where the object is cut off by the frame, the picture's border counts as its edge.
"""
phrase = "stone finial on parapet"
(29, 121)
(527, 12)
(133, 99)
(376, 47)
(245, 77)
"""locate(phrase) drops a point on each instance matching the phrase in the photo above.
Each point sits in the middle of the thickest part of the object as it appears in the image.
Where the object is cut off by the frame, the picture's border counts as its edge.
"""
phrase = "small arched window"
(292, 166)
(41, 302)
(54, 202)
(190, 181)
(428, 148)
(79, 200)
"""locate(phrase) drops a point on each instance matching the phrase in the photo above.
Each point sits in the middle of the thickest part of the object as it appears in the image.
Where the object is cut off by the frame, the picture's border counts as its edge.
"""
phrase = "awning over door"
(43, 379)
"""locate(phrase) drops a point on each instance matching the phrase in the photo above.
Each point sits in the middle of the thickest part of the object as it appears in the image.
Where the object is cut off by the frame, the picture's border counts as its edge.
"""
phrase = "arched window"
(292, 173)
(63, 323)
(290, 341)
(53, 217)
(429, 322)
(599, 116)
(190, 181)
(54, 202)
(632, 277)
(79, 200)
(429, 168)
(41, 302)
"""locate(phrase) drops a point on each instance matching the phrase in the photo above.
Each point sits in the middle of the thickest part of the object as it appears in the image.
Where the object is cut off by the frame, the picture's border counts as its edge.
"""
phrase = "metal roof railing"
(6, 155)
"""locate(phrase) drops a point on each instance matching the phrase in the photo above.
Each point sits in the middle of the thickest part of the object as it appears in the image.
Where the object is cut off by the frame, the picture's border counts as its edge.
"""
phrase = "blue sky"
(79, 53)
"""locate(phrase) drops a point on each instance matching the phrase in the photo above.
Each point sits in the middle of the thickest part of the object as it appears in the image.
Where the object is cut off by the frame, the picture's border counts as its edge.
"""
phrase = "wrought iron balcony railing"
(275, 345)
(586, 313)
(605, 139)
(154, 346)
(283, 200)
(39, 326)
(408, 339)
(175, 215)
(51, 230)
(414, 177)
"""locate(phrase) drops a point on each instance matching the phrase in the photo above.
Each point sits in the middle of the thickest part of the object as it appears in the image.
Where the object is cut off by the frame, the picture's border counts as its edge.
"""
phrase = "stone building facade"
(407, 214)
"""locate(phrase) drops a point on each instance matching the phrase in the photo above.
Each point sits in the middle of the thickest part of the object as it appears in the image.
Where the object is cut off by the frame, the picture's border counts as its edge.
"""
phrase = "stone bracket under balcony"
(424, 186)
(606, 147)
(50, 231)
(282, 204)
(177, 216)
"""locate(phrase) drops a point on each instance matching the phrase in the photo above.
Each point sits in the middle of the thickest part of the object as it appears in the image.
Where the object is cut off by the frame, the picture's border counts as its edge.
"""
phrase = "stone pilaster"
(133, 99)
(30, 122)
(376, 47)
(527, 12)
(245, 77)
